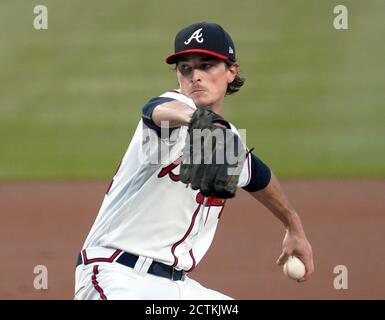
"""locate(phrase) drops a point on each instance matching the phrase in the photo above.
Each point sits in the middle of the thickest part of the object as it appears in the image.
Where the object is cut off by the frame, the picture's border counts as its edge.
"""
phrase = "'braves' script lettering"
(168, 170)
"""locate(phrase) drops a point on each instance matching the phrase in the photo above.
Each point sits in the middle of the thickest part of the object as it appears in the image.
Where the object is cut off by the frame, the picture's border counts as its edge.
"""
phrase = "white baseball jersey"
(149, 212)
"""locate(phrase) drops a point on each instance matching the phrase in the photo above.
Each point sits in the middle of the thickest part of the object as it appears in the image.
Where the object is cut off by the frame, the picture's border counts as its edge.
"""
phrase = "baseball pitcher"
(162, 207)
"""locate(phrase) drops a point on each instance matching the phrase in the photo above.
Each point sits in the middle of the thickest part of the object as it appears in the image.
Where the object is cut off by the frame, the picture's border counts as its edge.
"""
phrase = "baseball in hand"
(294, 268)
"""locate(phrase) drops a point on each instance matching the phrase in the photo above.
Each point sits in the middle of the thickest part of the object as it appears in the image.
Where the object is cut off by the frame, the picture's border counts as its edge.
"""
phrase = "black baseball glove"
(213, 155)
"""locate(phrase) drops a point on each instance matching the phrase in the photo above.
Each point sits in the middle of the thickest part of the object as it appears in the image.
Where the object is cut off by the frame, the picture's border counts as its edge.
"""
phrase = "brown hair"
(237, 83)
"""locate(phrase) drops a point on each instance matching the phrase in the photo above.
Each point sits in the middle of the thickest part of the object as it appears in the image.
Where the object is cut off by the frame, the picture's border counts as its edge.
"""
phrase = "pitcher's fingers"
(309, 266)
(282, 258)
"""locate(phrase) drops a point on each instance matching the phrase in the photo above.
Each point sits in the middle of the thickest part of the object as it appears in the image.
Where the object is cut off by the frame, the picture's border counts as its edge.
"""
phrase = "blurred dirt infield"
(46, 224)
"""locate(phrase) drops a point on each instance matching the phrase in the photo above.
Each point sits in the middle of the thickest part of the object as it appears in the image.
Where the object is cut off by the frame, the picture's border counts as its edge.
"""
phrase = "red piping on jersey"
(193, 260)
(96, 283)
(110, 259)
(211, 201)
(185, 236)
(208, 211)
(220, 213)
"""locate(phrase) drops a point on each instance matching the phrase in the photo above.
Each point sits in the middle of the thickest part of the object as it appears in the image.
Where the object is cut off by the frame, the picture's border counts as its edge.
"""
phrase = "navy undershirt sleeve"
(260, 175)
(147, 113)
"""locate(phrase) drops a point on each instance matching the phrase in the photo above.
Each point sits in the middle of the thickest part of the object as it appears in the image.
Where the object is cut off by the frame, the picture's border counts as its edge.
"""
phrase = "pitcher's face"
(204, 79)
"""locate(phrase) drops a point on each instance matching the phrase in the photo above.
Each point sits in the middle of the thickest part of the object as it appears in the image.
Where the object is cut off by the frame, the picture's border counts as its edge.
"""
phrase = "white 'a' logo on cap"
(197, 35)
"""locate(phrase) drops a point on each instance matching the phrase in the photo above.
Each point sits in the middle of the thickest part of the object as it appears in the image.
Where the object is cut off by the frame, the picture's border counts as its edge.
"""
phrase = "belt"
(156, 268)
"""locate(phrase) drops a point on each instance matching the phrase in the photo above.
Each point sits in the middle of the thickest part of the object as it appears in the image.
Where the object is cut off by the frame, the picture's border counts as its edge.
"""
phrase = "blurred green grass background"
(71, 96)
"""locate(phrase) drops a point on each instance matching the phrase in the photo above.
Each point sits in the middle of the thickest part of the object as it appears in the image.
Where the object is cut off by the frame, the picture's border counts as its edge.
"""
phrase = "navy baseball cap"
(207, 38)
